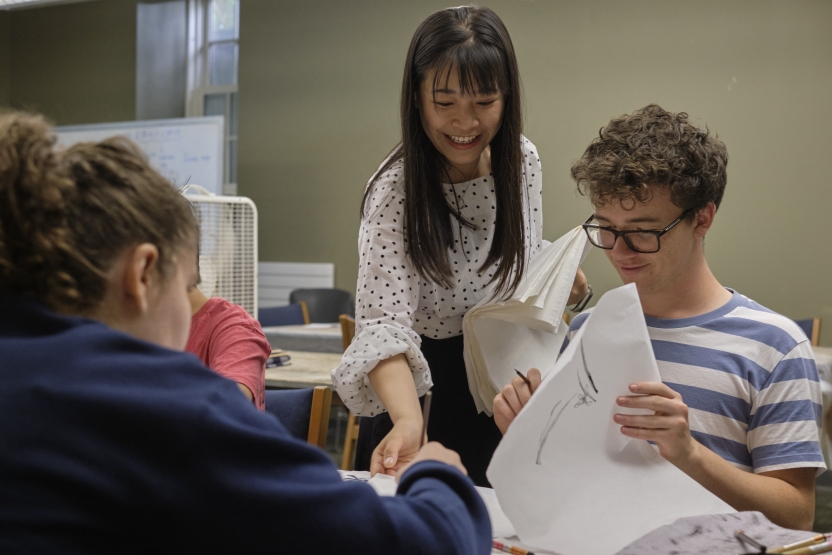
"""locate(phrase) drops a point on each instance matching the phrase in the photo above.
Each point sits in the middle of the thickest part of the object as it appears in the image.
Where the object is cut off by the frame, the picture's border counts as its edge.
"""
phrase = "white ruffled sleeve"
(386, 300)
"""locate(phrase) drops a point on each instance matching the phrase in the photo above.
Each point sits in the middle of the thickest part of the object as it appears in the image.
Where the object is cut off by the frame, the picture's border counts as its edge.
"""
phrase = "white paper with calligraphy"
(566, 477)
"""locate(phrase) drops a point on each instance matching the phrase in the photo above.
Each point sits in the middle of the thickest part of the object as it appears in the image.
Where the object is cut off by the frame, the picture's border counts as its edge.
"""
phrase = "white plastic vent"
(227, 246)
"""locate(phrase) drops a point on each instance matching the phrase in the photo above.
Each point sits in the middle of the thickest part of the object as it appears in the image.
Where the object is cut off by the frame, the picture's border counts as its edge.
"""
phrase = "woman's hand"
(434, 451)
(398, 448)
(668, 427)
(580, 288)
(513, 397)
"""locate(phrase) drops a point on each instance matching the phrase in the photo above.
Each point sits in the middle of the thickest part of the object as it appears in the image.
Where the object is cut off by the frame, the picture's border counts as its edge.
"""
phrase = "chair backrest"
(811, 327)
(347, 330)
(290, 315)
(325, 305)
(303, 412)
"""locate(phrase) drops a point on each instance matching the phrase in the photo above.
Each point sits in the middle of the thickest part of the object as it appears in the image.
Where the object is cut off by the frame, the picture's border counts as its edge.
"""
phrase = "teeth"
(463, 140)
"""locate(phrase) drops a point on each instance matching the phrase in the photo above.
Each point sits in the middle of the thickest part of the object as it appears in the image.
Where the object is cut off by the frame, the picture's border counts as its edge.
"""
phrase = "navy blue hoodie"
(109, 444)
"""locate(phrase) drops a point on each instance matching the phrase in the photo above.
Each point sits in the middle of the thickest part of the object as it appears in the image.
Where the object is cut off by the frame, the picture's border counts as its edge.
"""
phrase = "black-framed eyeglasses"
(639, 240)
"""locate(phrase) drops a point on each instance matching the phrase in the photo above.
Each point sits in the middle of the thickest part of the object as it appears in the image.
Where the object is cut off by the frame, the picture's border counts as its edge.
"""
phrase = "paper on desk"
(501, 526)
(527, 329)
(386, 486)
(714, 535)
(566, 477)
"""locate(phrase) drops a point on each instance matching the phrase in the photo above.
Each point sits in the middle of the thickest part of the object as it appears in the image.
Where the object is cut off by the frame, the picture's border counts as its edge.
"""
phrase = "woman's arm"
(580, 288)
(384, 368)
(393, 383)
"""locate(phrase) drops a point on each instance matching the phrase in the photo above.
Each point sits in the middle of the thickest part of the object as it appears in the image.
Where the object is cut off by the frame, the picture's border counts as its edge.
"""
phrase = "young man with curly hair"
(738, 408)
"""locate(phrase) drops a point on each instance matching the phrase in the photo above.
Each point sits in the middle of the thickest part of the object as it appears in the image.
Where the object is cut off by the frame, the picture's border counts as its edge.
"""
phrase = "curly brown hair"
(66, 216)
(652, 147)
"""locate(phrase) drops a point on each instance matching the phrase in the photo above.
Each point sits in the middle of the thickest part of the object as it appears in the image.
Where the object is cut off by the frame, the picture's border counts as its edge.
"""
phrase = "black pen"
(525, 379)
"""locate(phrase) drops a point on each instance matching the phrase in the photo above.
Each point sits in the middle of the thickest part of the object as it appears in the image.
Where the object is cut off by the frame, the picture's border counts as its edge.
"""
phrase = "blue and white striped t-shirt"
(749, 379)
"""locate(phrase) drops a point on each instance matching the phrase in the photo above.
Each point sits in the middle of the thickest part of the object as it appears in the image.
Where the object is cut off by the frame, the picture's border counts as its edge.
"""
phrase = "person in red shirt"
(229, 342)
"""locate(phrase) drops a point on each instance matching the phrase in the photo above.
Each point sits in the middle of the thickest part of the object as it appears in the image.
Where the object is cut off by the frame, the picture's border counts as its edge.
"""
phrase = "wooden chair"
(351, 435)
(826, 435)
(303, 412)
(295, 314)
(811, 327)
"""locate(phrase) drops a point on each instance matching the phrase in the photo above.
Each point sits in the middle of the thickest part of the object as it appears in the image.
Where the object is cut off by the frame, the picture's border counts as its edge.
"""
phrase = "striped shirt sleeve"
(785, 422)
(574, 326)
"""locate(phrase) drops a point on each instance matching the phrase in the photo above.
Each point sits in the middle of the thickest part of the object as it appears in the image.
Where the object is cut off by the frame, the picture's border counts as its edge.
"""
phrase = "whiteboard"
(187, 151)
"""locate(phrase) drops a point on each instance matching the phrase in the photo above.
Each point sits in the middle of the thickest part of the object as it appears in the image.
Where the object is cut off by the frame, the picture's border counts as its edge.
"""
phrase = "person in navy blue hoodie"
(112, 439)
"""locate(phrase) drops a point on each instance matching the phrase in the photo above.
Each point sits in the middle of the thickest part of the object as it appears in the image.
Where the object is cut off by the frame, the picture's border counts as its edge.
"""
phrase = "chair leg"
(350, 440)
(319, 417)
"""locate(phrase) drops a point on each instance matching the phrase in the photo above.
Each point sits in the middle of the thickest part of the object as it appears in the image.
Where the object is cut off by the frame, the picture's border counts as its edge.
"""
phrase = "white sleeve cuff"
(372, 345)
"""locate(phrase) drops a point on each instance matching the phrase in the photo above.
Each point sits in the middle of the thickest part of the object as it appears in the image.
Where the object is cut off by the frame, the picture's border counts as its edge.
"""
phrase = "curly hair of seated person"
(648, 148)
(66, 215)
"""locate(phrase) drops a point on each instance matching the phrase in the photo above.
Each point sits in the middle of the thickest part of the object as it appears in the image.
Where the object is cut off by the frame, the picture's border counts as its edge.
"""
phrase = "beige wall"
(319, 84)
(5, 59)
(75, 63)
(757, 73)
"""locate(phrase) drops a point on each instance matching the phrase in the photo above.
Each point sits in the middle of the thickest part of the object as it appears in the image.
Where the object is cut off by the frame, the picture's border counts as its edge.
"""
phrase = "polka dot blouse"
(394, 305)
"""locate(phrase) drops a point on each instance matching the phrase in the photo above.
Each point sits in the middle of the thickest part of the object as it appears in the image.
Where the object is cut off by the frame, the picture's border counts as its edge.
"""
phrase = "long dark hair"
(474, 41)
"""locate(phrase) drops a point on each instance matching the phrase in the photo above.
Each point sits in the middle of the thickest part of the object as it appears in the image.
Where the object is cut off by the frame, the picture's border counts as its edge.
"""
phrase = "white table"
(319, 338)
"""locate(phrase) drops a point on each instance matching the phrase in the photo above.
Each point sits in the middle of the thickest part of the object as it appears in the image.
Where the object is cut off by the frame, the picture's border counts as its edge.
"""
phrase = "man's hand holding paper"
(668, 427)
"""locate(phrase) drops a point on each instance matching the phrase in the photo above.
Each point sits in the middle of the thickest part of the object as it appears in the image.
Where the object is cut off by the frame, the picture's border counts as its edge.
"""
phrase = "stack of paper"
(524, 331)
(566, 477)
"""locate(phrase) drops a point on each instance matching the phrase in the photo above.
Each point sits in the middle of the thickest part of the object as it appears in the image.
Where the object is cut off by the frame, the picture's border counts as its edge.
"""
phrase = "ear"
(704, 220)
(141, 273)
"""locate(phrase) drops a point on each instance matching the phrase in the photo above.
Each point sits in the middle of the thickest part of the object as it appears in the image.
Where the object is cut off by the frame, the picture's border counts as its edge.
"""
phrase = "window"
(213, 56)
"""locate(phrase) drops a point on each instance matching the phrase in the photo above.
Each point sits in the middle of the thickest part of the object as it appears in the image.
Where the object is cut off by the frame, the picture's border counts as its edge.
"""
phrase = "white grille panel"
(228, 248)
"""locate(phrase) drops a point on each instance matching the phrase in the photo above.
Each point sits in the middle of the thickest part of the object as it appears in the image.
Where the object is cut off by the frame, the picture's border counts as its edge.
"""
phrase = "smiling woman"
(461, 126)
(450, 218)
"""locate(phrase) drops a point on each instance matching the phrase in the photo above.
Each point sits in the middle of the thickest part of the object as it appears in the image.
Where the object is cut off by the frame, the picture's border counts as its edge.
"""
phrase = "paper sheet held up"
(566, 477)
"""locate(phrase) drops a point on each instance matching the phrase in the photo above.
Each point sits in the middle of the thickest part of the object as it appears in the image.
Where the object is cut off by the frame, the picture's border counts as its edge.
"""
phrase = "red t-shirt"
(231, 343)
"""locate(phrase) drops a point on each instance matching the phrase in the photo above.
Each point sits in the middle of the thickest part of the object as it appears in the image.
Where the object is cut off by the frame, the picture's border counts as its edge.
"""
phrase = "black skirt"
(454, 421)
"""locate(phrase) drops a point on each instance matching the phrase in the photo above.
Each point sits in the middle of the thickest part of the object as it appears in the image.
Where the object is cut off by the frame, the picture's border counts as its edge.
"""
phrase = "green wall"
(319, 85)
(76, 63)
